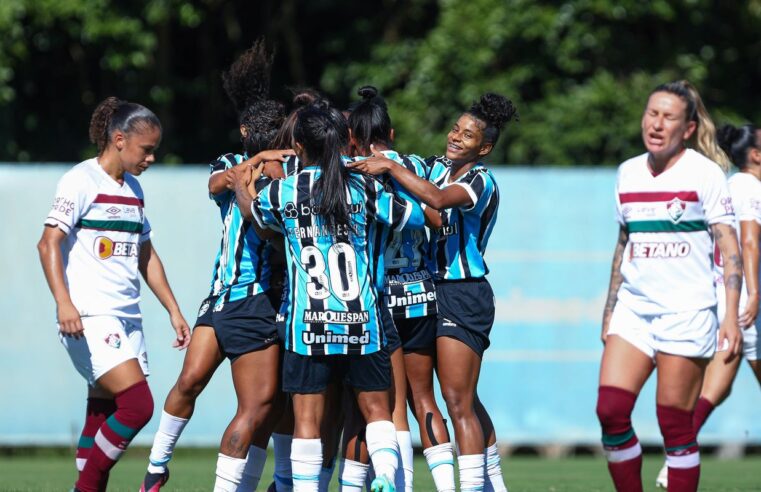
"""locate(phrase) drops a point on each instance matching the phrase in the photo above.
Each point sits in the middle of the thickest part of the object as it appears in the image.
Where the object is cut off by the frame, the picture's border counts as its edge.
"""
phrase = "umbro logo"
(113, 210)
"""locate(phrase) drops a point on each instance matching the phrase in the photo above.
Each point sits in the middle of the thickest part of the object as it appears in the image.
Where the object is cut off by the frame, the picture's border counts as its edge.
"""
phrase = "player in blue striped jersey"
(466, 193)
(332, 327)
(237, 320)
(410, 301)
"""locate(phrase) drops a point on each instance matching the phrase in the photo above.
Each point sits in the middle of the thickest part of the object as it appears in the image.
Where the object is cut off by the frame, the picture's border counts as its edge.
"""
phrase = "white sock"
(352, 475)
(493, 481)
(170, 428)
(404, 472)
(282, 447)
(229, 473)
(326, 474)
(306, 462)
(252, 473)
(471, 472)
(383, 448)
(440, 459)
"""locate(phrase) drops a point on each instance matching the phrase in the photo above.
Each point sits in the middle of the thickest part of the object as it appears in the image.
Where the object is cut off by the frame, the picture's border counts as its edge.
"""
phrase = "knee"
(459, 403)
(614, 408)
(190, 384)
(135, 405)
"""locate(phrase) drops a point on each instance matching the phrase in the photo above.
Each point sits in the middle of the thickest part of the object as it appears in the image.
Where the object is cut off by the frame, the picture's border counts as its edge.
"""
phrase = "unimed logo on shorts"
(312, 338)
(105, 248)
(659, 250)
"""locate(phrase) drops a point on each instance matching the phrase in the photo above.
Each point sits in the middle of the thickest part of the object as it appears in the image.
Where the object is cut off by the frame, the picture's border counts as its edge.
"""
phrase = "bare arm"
(153, 272)
(51, 258)
(616, 279)
(218, 182)
(241, 182)
(749, 235)
(729, 332)
(432, 217)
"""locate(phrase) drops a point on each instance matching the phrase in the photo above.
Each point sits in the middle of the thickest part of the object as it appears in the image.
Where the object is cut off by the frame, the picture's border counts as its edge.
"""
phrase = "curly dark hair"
(495, 110)
(248, 78)
(114, 114)
(262, 121)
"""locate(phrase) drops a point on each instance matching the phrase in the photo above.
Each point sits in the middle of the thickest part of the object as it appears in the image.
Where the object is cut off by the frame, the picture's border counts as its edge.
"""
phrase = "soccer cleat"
(154, 481)
(662, 481)
(382, 484)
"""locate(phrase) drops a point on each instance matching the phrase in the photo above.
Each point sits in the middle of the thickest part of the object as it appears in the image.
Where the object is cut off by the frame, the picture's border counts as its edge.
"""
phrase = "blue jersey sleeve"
(221, 164)
(391, 209)
(266, 206)
(480, 187)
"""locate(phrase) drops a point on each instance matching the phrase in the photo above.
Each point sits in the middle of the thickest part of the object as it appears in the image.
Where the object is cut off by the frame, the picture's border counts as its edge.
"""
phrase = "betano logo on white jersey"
(104, 224)
(667, 262)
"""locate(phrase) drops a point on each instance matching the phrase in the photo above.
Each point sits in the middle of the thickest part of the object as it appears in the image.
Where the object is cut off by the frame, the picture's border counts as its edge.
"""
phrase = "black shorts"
(417, 333)
(204, 312)
(466, 312)
(306, 374)
(245, 325)
(393, 342)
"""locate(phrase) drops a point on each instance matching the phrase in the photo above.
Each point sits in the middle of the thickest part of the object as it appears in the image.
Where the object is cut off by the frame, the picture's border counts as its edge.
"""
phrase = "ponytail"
(323, 132)
(101, 120)
(113, 114)
(704, 138)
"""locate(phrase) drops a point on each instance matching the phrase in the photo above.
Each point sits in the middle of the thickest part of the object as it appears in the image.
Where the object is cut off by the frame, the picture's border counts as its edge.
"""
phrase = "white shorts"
(689, 334)
(751, 346)
(108, 341)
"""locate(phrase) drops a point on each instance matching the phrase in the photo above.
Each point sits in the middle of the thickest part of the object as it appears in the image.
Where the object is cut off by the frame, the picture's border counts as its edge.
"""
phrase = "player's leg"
(355, 463)
(134, 408)
(255, 378)
(493, 479)
(717, 385)
(434, 436)
(679, 383)
(458, 387)
(282, 437)
(202, 359)
(405, 470)
(108, 361)
(627, 362)
(330, 433)
(370, 377)
(100, 406)
(306, 449)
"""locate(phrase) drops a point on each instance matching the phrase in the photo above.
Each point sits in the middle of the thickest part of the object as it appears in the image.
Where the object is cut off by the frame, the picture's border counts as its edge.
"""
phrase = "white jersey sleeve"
(70, 203)
(746, 197)
(716, 200)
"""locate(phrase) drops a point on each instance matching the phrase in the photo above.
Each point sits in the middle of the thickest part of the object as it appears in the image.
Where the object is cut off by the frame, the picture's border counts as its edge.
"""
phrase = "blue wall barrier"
(549, 257)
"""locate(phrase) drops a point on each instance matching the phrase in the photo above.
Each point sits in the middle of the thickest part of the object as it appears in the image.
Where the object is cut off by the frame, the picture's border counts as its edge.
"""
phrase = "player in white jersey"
(96, 241)
(661, 309)
(743, 146)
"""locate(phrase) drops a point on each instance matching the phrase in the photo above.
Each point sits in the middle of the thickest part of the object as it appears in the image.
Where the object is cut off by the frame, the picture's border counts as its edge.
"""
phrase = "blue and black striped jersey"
(459, 245)
(401, 267)
(332, 305)
(243, 268)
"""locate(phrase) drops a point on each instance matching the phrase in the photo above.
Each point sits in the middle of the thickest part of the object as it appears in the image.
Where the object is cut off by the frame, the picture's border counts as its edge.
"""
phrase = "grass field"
(193, 469)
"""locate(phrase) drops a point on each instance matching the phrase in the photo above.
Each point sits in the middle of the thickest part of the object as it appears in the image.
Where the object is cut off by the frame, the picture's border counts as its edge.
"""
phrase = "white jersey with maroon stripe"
(667, 264)
(745, 191)
(104, 225)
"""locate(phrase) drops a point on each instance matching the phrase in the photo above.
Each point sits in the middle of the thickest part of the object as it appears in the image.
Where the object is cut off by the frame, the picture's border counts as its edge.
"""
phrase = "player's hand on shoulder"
(69, 321)
(376, 164)
(273, 155)
(273, 170)
(181, 329)
(239, 175)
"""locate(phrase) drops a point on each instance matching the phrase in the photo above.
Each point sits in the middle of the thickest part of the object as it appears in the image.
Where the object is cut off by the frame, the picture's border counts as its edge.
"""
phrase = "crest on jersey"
(114, 340)
(675, 209)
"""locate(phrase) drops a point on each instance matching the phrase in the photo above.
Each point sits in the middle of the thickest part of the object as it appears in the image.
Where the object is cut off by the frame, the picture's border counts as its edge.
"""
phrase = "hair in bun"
(495, 110)
(736, 142)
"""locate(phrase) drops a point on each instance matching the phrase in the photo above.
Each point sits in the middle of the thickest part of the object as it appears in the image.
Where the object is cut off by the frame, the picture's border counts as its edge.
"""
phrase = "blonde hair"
(704, 138)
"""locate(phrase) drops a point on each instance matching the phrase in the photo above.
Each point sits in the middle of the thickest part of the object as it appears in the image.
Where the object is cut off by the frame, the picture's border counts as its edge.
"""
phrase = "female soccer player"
(410, 302)
(743, 145)
(235, 319)
(661, 303)
(466, 193)
(332, 326)
(95, 242)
